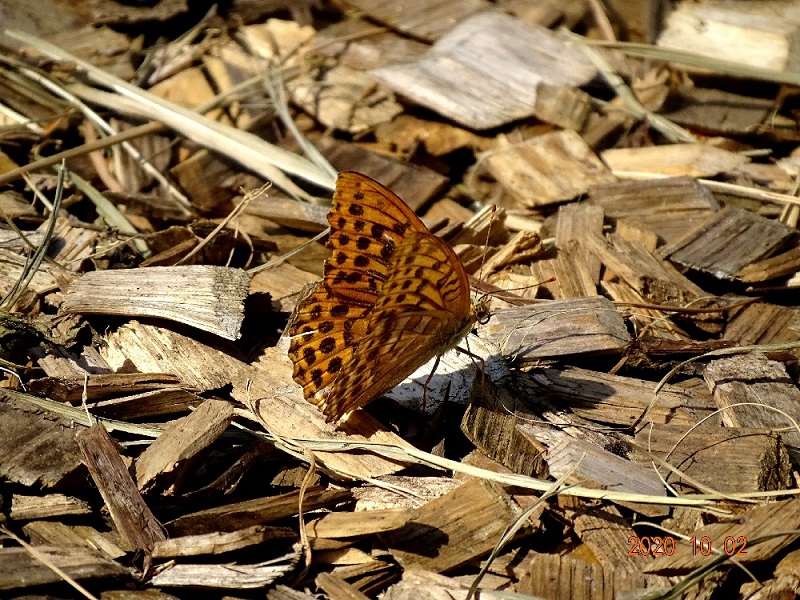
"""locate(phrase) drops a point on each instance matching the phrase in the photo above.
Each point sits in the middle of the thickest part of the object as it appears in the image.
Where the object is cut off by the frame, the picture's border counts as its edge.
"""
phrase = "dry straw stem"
(38, 256)
(724, 67)
(249, 150)
(298, 448)
(670, 130)
(180, 200)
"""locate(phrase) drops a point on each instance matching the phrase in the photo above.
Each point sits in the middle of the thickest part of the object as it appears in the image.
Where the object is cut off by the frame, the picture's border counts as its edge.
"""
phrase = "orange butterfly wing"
(393, 296)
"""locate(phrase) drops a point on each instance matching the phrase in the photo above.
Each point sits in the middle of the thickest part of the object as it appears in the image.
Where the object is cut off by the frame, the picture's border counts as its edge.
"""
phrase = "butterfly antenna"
(486, 244)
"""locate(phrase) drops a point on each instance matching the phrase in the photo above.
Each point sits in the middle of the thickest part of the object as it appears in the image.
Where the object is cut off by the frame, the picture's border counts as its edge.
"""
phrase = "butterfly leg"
(427, 381)
(475, 357)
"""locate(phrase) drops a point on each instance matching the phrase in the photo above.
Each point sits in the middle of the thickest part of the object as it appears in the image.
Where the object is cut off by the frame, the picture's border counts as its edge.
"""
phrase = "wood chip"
(209, 298)
(763, 386)
(708, 30)
(606, 398)
(36, 450)
(454, 529)
(764, 323)
(707, 246)
(444, 78)
(729, 459)
(257, 511)
(137, 526)
(29, 508)
(55, 533)
(181, 442)
(754, 524)
(237, 576)
(422, 21)
(360, 44)
(221, 542)
(547, 169)
(547, 330)
(664, 206)
(21, 569)
(786, 263)
(695, 160)
(151, 349)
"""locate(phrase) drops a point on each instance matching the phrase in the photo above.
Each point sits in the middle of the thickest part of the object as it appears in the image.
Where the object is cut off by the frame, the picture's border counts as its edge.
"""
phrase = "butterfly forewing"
(393, 296)
(367, 222)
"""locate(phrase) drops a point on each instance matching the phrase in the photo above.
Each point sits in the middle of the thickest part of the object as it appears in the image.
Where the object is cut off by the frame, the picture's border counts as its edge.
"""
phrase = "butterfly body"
(393, 296)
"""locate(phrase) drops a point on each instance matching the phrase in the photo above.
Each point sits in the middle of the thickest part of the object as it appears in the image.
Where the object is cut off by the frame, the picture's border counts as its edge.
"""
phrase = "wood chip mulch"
(625, 421)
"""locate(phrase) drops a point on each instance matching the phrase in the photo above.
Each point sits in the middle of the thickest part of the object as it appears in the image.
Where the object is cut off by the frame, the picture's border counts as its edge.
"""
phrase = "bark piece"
(181, 442)
(36, 448)
(152, 349)
(248, 513)
(756, 380)
(359, 44)
(137, 526)
(29, 508)
(20, 569)
(547, 169)
(606, 398)
(444, 78)
(664, 206)
(427, 21)
(220, 542)
(54, 533)
(731, 459)
(562, 328)
(209, 298)
(728, 537)
(455, 528)
(708, 246)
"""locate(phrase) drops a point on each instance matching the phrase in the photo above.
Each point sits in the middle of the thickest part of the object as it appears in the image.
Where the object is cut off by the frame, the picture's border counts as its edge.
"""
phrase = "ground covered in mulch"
(619, 190)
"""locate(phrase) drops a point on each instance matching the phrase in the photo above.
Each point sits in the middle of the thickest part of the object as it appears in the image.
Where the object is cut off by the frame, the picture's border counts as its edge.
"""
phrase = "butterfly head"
(480, 308)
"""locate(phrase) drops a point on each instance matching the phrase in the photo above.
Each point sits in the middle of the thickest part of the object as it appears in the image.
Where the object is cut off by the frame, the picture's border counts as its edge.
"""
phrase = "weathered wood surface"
(209, 298)
(707, 246)
(136, 524)
(444, 78)
(607, 264)
(36, 448)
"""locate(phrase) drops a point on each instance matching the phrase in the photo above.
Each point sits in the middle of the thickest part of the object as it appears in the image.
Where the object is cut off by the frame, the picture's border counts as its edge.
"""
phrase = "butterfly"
(393, 296)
